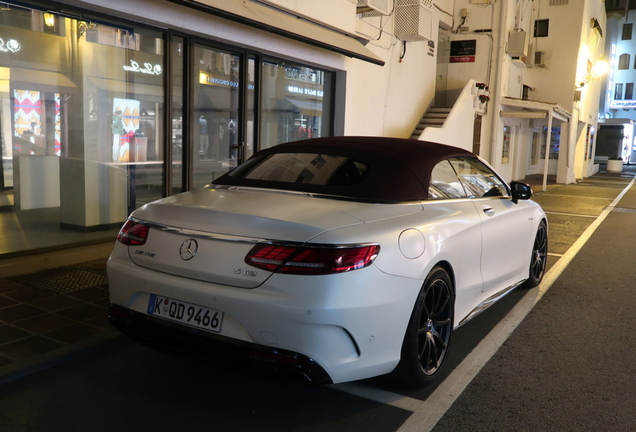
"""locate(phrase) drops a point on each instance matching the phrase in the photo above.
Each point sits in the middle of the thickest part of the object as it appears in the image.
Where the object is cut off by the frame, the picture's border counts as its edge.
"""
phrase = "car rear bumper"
(190, 341)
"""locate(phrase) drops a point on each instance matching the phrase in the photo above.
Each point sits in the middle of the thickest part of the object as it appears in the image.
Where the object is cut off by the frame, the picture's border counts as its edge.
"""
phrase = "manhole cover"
(560, 221)
(63, 281)
(624, 210)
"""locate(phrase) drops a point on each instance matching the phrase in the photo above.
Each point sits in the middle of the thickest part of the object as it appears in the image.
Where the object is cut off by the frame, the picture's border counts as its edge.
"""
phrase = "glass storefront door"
(215, 116)
(295, 103)
(177, 67)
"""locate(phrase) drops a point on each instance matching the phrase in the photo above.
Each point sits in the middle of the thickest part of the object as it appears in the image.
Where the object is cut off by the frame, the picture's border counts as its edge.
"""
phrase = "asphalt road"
(567, 366)
(570, 365)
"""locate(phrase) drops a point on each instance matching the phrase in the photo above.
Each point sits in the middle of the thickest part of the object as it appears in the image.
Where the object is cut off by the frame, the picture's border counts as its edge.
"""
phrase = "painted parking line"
(427, 413)
(571, 214)
(574, 196)
(378, 395)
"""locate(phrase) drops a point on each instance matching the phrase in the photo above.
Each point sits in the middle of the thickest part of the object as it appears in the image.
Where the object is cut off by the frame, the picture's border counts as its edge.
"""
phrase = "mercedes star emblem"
(188, 249)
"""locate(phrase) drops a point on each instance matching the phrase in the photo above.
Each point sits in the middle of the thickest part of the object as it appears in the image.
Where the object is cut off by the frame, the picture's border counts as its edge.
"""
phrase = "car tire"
(539, 257)
(428, 335)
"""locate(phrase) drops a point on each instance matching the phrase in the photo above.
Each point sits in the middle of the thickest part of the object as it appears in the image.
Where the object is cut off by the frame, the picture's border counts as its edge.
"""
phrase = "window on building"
(555, 141)
(627, 31)
(505, 150)
(623, 61)
(541, 28)
(629, 91)
(618, 92)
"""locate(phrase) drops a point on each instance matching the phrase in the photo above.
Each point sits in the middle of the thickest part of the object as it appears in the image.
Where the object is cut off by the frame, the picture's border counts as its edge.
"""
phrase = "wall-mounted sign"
(462, 51)
(11, 45)
(623, 104)
(147, 68)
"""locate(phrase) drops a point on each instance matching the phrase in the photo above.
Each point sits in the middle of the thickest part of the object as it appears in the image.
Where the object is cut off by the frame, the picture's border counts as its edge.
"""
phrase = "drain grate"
(560, 221)
(624, 210)
(64, 280)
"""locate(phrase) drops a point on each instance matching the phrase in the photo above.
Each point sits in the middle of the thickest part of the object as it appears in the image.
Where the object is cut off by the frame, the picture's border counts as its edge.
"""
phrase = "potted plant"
(615, 164)
(482, 88)
(483, 100)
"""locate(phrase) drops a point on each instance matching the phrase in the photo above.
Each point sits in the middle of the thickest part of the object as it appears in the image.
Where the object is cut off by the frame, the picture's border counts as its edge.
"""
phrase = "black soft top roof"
(398, 169)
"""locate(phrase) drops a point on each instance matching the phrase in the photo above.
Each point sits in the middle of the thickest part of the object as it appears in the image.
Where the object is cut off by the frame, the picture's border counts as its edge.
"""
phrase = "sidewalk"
(48, 314)
(51, 313)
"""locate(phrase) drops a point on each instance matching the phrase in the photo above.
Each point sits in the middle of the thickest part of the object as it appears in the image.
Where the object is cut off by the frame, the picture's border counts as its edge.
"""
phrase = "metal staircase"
(434, 117)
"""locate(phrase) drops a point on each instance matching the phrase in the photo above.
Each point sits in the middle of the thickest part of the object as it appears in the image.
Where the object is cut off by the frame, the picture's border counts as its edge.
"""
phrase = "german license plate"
(186, 313)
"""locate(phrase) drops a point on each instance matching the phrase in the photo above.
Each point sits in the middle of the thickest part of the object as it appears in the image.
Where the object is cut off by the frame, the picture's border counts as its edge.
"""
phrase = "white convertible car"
(338, 258)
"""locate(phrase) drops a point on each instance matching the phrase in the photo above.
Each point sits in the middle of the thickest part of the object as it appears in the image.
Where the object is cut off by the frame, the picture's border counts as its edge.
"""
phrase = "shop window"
(627, 31)
(297, 105)
(82, 127)
(541, 28)
(555, 142)
(618, 91)
(623, 61)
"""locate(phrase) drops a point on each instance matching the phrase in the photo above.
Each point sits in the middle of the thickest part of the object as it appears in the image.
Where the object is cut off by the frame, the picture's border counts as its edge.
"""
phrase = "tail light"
(133, 233)
(311, 260)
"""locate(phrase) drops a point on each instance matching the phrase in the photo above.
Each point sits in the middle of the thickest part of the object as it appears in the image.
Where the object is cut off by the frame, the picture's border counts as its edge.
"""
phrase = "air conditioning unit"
(539, 58)
(517, 43)
(376, 7)
(414, 20)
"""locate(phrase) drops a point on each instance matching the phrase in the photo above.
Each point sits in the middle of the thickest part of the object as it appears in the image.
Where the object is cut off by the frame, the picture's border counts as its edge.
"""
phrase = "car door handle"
(488, 210)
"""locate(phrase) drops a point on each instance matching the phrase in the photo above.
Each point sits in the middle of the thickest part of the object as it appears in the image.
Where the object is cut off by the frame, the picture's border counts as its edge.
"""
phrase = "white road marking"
(587, 197)
(571, 214)
(378, 395)
(427, 413)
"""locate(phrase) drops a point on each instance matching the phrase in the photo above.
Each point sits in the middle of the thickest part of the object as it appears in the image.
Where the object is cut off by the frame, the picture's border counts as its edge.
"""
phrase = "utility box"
(414, 20)
(379, 7)
(517, 44)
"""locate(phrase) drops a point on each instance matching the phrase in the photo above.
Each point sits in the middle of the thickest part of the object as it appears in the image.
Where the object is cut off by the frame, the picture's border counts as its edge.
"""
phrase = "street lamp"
(599, 69)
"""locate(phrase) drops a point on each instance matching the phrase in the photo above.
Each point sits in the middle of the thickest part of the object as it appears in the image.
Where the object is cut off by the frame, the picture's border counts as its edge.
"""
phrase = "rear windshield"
(303, 168)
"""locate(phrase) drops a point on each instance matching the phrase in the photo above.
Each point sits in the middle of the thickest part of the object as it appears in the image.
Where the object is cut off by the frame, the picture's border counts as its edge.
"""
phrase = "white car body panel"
(339, 306)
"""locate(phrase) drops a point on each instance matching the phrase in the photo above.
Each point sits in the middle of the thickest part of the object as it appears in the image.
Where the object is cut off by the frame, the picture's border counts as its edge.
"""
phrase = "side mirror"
(520, 191)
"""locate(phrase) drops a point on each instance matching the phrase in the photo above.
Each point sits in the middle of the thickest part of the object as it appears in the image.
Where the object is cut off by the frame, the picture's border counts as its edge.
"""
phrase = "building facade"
(107, 105)
(618, 102)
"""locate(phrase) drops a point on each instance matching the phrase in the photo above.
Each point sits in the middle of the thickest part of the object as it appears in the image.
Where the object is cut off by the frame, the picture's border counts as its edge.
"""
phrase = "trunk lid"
(205, 234)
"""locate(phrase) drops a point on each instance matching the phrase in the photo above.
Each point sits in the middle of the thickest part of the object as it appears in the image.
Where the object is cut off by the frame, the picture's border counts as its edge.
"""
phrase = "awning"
(521, 108)
(54, 82)
(287, 25)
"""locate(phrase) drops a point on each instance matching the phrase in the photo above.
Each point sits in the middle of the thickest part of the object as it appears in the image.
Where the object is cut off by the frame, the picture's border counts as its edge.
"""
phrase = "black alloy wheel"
(539, 257)
(428, 335)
